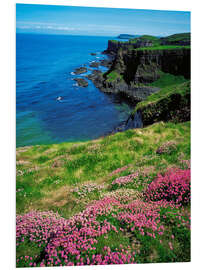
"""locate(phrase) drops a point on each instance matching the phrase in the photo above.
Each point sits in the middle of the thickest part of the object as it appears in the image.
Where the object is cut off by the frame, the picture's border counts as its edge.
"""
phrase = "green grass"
(113, 241)
(112, 76)
(167, 80)
(28, 247)
(49, 183)
(169, 84)
(163, 47)
(149, 37)
(171, 42)
(153, 39)
(178, 37)
(116, 41)
(42, 186)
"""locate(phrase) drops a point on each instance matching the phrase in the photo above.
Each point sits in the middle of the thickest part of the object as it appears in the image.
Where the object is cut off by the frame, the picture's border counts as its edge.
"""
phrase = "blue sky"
(99, 21)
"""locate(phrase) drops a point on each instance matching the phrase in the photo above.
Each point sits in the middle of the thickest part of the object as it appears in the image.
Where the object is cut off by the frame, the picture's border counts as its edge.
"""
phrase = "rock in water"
(97, 78)
(94, 64)
(106, 63)
(80, 70)
(81, 82)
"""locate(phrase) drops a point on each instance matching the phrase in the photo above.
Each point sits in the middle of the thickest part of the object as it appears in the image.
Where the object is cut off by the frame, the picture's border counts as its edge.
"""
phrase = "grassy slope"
(46, 173)
(153, 39)
(162, 47)
(178, 37)
(169, 84)
(112, 76)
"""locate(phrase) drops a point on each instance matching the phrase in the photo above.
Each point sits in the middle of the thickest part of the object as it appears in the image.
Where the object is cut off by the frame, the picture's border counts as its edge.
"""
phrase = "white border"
(7, 162)
(146, 4)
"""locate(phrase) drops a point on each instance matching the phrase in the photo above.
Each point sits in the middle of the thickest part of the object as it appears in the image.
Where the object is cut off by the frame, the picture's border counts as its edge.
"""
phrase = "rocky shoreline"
(81, 82)
(132, 71)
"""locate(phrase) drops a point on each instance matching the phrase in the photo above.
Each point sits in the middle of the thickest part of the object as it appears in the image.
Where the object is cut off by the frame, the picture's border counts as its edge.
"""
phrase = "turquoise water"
(44, 66)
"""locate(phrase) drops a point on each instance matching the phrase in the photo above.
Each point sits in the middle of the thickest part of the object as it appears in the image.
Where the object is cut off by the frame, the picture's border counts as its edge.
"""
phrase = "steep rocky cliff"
(171, 103)
(134, 70)
(144, 65)
(138, 70)
(114, 45)
(140, 61)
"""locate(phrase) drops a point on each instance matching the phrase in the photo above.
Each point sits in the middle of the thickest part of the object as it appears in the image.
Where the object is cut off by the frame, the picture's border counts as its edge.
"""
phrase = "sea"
(45, 67)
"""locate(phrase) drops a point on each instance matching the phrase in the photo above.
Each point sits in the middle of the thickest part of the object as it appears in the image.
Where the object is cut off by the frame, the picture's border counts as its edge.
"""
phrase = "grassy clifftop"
(140, 62)
(46, 173)
(176, 41)
(171, 103)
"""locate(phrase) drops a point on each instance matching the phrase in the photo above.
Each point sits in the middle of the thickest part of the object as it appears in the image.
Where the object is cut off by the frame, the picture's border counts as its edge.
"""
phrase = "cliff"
(170, 104)
(133, 70)
(141, 61)
(115, 45)
(146, 66)
(182, 39)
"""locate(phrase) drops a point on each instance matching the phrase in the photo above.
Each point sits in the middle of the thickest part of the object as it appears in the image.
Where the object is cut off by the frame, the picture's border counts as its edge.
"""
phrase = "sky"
(49, 19)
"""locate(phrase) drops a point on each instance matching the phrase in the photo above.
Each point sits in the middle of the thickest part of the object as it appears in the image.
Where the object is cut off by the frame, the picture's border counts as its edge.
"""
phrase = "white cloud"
(39, 25)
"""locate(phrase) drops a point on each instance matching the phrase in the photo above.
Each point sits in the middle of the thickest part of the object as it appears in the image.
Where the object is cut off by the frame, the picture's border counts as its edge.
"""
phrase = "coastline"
(113, 81)
(145, 70)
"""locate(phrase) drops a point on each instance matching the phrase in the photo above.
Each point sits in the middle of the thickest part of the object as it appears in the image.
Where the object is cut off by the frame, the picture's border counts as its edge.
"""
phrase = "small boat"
(59, 98)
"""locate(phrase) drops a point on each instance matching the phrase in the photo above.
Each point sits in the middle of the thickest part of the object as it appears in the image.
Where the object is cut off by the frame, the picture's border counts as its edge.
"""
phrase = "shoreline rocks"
(81, 82)
(80, 70)
(106, 63)
(135, 92)
(97, 78)
(94, 64)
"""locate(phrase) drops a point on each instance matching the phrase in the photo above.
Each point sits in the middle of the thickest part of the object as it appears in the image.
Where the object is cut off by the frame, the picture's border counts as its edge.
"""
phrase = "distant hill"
(177, 39)
(126, 36)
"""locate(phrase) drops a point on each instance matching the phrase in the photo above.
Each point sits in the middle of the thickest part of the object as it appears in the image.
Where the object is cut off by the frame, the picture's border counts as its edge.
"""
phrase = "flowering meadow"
(173, 186)
(137, 211)
(85, 239)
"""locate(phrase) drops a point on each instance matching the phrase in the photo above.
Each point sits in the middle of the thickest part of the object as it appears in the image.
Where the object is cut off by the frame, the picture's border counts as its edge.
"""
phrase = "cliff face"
(114, 46)
(144, 65)
(139, 67)
(171, 103)
(175, 108)
(132, 70)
